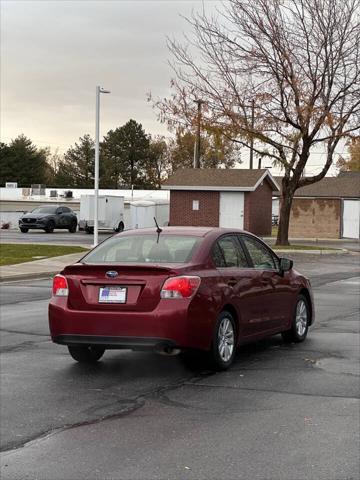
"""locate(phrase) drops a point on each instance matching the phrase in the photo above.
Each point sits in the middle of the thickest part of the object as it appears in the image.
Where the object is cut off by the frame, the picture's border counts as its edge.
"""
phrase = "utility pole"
(252, 137)
(96, 175)
(198, 137)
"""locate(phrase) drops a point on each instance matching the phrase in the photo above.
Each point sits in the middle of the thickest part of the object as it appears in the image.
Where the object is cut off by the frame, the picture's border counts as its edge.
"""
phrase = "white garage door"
(351, 219)
(231, 210)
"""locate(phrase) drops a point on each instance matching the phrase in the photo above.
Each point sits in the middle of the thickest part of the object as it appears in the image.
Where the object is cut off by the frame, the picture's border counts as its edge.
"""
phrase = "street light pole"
(198, 136)
(96, 175)
(252, 137)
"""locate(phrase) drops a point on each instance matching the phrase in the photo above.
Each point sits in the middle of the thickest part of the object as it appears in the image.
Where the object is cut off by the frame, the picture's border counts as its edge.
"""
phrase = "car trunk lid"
(134, 288)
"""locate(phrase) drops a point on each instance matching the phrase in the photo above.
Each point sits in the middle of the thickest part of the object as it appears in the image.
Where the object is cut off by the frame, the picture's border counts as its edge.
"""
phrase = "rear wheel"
(72, 228)
(300, 323)
(50, 227)
(223, 348)
(89, 229)
(86, 353)
(24, 230)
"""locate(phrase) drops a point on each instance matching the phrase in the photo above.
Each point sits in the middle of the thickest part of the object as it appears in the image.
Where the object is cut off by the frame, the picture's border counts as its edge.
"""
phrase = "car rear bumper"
(111, 342)
(170, 324)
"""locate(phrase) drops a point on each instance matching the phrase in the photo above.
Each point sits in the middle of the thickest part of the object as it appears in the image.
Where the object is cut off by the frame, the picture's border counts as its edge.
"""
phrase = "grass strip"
(11, 253)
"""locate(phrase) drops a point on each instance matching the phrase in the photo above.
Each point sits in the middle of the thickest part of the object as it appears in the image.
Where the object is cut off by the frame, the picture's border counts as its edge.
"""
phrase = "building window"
(195, 205)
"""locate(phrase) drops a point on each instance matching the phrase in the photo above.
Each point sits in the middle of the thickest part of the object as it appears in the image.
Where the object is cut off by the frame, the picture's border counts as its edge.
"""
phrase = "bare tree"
(297, 59)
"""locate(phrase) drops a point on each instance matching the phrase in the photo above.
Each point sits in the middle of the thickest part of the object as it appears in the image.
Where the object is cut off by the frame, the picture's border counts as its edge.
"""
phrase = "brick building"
(329, 208)
(232, 198)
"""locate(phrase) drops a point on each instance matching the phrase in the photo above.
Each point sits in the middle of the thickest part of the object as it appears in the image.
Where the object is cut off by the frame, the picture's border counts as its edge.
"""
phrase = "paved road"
(282, 412)
(59, 237)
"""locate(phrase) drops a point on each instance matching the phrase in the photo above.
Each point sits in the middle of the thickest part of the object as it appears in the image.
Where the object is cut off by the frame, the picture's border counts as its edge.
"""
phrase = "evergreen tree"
(124, 155)
(76, 169)
(22, 162)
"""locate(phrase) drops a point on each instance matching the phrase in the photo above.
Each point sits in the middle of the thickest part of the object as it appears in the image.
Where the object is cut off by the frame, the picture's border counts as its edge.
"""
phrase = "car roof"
(193, 231)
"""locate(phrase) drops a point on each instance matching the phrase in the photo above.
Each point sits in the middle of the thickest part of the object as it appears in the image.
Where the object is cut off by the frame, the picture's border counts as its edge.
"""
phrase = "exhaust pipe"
(167, 350)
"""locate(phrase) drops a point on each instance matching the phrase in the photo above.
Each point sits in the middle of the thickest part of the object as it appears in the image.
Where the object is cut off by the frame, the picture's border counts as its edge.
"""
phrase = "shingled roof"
(218, 179)
(344, 186)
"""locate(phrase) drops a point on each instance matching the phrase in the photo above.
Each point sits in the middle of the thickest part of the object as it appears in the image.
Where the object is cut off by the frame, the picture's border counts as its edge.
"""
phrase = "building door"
(231, 210)
(351, 219)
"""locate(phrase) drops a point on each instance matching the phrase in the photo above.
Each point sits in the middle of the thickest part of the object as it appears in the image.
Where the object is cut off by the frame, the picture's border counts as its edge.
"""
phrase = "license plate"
(112, 295)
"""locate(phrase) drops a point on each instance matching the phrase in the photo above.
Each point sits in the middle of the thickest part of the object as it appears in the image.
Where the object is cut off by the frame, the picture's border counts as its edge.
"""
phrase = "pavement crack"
(325, 278)
(132, 405)
(25, 333)
(30, 300)
(305, 394)
(20, 346)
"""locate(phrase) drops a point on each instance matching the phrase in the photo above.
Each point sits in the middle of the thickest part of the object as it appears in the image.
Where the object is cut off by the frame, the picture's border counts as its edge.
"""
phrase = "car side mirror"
(286, 264)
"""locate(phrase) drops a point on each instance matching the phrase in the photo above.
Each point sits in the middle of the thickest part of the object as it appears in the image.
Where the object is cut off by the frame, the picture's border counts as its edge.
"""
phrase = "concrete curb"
(339, 251)
(27, 276)
(38, 268)
(316, 240)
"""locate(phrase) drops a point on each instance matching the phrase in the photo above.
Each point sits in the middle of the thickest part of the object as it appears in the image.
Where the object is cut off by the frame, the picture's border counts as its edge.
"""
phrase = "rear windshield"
(44, 210)
(144, 249)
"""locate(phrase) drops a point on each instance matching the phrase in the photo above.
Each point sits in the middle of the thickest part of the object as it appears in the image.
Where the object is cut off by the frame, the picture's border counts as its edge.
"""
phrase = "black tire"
(24, 230)
(300, 323)
(73, 227)
(223, 342)
(120, 227)
(50, 227)
(89, 230)
(86, 353)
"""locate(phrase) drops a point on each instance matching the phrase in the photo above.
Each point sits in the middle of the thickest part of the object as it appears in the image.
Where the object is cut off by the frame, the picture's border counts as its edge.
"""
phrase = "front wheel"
(300, 324)
(86, 353)
(223, 348)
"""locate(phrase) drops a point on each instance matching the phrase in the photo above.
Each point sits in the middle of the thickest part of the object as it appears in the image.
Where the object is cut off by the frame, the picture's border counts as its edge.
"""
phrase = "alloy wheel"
(301, 319)
(226, 339)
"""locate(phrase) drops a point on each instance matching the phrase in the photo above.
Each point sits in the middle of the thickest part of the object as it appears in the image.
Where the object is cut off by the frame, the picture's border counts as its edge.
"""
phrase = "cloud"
(54, 53)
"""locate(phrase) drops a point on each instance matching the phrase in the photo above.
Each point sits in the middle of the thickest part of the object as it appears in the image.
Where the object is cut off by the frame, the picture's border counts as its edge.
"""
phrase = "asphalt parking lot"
(59, 237)
(287, 412)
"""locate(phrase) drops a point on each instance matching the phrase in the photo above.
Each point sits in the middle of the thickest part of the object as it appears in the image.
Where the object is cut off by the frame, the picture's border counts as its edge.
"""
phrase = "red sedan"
(179, 288)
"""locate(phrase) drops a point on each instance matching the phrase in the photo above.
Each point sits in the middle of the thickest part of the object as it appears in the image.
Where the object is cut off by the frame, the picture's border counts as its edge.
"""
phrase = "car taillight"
(180, 287)
(60, 286)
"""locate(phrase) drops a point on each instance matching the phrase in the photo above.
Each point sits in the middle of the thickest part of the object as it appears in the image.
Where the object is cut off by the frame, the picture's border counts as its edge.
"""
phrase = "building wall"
(315, 218)
(182, 213)
(258, 209)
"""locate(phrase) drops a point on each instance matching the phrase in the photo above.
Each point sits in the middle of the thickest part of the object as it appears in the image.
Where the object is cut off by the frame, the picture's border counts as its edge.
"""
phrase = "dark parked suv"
(47, 218)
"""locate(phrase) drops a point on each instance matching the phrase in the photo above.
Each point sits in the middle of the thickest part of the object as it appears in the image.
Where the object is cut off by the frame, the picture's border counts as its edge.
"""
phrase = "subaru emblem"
(111, 274)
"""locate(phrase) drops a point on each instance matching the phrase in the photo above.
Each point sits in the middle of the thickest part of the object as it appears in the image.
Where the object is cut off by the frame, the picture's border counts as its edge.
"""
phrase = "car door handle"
(232, 282)
(266, 279)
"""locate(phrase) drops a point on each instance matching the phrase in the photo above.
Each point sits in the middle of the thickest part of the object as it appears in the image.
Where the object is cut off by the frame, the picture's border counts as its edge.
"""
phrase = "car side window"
(260, 255)
(228, 253)
(59, 210)
(66, 210)
(217, 256)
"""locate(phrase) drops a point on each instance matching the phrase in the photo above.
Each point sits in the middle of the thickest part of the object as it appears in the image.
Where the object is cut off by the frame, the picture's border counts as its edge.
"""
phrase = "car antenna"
(158, 230)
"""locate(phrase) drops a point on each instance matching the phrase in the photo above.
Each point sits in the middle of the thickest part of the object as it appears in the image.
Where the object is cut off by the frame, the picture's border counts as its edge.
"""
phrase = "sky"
(55, 52)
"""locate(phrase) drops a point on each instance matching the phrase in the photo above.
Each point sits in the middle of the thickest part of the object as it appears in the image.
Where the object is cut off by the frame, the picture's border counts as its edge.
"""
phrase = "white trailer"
(110, 213)
(142, 213)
